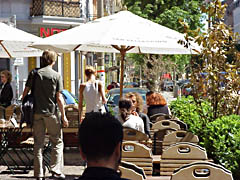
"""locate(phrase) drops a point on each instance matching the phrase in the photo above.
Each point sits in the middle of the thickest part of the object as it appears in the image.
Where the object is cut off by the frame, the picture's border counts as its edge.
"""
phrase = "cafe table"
(15, 151)
(9, 136)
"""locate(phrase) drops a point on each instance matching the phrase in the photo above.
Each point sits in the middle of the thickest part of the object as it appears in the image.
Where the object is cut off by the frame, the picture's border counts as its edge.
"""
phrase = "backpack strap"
(33, 80)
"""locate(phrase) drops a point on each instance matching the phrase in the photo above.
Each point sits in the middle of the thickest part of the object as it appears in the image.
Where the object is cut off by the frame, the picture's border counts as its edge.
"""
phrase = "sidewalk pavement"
(71, 172)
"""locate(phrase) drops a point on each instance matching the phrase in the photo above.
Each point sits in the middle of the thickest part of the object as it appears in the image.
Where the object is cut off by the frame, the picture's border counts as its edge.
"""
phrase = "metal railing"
(62, 8)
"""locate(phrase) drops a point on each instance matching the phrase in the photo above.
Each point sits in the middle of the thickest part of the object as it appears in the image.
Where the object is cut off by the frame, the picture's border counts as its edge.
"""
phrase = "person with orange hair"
(156, 104)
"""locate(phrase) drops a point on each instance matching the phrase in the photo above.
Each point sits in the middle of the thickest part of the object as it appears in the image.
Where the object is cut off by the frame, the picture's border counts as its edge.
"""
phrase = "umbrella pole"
(123, 53)
(5, 49)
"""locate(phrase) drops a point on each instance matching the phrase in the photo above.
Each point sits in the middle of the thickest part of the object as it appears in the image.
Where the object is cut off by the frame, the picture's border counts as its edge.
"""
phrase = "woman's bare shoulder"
(82, 86)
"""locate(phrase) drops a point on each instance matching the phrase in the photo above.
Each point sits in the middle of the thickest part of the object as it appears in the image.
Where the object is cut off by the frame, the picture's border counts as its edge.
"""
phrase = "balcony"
(60, 8)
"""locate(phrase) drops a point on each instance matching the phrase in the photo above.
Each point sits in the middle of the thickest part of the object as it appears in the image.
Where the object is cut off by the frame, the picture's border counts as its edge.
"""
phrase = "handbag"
(27, 108)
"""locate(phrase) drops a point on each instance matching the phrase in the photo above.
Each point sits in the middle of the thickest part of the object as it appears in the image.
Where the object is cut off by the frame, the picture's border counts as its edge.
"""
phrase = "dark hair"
(99, 134)
(125, 106)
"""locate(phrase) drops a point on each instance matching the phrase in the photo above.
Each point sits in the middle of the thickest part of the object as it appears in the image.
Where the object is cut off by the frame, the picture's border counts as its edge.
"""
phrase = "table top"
(28, 129)
(65, 130)
(7, 126)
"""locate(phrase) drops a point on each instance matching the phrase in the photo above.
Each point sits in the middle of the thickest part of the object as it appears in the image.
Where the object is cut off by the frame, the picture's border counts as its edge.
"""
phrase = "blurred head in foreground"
(100, 139)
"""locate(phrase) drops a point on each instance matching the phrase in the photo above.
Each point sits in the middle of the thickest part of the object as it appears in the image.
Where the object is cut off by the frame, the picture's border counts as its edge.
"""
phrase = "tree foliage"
(167, 13)
(215, 72)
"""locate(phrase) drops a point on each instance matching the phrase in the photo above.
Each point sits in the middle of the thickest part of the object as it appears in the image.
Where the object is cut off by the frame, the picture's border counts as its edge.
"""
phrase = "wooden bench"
(158, 117)
(202, 170)
(131, 171)
(130, 134)
(179, 136)
(139, 155)
(180, 154)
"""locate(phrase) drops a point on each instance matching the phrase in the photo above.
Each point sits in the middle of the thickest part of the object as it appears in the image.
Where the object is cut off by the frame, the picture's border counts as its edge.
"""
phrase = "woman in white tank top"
(92, 92)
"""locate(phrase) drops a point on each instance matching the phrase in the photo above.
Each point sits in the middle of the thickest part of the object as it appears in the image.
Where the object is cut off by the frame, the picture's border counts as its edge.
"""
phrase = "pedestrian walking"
(47, 95)
(92, 92)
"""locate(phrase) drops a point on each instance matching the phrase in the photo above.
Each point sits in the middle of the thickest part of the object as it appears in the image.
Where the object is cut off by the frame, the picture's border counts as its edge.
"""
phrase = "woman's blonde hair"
(7, 74)
(139, 99)
(89, 71)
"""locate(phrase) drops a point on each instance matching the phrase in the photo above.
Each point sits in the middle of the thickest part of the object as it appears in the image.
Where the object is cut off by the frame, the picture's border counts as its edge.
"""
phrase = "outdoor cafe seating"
(180, 154)
(202, 170)
(16, 143)
(138, 154)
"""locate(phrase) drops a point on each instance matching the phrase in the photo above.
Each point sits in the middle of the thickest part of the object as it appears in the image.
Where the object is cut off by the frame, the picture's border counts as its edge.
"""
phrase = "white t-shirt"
(134, 122)
(92, 97)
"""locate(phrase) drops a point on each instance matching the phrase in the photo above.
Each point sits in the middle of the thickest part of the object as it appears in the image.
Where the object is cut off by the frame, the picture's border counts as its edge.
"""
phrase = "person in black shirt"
(6, 92)
(100, 140)
(156, 104)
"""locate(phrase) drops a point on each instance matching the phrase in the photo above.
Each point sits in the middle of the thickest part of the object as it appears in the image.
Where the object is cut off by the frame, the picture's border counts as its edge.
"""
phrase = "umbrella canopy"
(14, 43)
(122, 33)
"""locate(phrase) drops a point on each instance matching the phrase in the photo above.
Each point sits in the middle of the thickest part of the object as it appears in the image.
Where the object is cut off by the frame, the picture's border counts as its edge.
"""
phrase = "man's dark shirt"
(47, 83)
(100, 173)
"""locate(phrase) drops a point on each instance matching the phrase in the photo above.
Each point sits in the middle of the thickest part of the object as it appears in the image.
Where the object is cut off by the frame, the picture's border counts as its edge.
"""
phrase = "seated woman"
(6, 92)
(156, 104)
(126, 117)
(137, 102)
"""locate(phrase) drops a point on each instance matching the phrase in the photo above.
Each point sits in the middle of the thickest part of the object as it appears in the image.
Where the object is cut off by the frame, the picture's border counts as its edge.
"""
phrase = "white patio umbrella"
(14, 43)
(122, 33)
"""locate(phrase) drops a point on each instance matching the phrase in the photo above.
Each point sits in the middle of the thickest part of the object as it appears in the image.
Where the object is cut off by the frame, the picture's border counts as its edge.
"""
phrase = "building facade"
(232, 17)
(44, 18)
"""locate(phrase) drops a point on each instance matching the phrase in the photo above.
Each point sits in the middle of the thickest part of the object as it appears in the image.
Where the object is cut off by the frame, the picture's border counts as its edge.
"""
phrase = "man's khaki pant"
(53, 125)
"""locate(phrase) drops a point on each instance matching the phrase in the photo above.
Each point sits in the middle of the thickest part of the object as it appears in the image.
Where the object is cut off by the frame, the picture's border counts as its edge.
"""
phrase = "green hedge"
(222, 142)
(220, 137)
(186, 110)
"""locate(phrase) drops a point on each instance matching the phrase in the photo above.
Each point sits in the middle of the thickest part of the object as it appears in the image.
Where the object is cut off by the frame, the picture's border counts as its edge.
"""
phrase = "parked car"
(168, 86)
(130, 84)
(114, 95)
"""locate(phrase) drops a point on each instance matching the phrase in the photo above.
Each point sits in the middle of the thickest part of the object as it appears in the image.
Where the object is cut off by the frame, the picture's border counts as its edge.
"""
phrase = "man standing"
(47, 88)
(100, 140)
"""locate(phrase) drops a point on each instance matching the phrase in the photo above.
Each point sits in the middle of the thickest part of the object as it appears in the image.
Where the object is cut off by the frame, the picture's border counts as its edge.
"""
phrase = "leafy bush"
(222, 142)
(220, 137)
(187, 110)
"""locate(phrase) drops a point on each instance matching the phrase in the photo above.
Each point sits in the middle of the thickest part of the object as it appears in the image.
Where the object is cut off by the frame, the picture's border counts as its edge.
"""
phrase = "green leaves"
(218, 61)
(220, 137)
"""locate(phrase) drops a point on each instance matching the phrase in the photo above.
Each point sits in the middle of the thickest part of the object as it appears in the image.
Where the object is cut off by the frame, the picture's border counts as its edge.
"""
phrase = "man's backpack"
(27, 109)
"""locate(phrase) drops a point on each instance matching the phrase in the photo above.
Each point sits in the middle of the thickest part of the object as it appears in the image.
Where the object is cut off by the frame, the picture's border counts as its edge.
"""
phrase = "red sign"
(46, 32)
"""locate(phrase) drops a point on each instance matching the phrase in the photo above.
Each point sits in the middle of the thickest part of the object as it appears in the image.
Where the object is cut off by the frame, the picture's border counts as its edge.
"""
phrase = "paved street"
(71, 172)
(168, 96)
